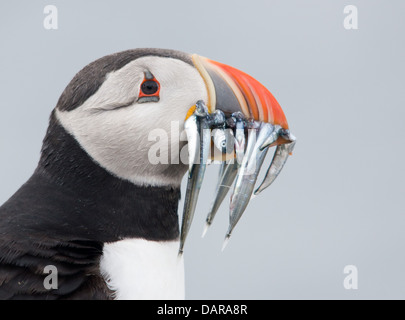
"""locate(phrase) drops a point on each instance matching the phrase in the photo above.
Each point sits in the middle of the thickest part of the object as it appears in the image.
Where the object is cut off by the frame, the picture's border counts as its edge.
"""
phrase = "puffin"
(101, 208)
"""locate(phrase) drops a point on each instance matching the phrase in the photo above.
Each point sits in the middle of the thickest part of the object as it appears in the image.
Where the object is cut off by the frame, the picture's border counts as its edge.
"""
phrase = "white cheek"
(119, 140)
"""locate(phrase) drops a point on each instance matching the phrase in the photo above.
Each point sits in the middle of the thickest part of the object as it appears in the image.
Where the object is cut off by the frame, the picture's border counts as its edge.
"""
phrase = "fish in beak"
(246, 120)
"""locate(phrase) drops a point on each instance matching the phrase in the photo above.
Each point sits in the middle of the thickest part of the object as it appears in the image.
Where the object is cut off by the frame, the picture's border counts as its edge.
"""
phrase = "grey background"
(340, 199)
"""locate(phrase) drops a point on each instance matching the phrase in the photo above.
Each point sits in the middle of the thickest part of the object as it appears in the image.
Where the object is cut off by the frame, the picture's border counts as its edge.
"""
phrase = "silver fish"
(280, 158)
(225, 182)
(247, 175)
(195, 180)
(192, 132)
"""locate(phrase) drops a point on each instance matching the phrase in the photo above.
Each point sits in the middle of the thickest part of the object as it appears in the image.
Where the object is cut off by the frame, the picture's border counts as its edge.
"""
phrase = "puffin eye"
(149, 87)
(149, 90)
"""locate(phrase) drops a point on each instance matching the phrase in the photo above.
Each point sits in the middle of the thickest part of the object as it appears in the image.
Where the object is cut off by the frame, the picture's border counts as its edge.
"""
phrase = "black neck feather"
(101, 205)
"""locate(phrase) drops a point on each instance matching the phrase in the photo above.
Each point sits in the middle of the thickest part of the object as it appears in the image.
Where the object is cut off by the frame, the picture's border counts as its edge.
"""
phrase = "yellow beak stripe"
(190, 112)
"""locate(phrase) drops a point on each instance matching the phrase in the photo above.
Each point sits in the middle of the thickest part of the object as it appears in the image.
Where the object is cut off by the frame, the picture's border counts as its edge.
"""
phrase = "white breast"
(141, 269)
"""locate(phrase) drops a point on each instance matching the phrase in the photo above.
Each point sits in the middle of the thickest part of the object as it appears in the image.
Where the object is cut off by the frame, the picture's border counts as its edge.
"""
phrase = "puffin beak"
(245, 116)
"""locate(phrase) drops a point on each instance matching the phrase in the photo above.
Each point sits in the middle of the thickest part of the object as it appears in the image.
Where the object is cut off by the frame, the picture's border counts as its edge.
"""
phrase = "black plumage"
(71, 206)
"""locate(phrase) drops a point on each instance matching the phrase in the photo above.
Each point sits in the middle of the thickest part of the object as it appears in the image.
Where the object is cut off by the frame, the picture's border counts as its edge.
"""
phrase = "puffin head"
(120, 107)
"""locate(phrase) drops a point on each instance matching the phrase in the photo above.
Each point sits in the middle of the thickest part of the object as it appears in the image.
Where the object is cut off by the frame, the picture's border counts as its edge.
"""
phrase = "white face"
(113, 127)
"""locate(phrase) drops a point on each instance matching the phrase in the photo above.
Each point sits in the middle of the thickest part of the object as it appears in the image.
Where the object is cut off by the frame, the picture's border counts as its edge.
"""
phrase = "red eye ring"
(149, 88)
